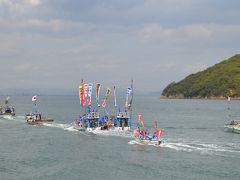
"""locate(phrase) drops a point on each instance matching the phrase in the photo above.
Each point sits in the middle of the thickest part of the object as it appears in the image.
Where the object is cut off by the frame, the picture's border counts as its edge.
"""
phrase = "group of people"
(142, 134)
(92, 119)
(145, 135)
(7, 109)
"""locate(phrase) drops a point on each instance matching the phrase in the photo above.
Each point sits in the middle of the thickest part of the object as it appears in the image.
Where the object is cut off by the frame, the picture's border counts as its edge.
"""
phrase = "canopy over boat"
(7, 109)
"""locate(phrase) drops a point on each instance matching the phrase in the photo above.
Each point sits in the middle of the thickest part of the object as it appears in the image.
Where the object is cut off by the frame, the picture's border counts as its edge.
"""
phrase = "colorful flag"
(126, 102)
(82, 94)
(104, 103)
(139, 117)
(159, 133)
(98, 86)
(85, 91)
(85, 88)
(34, 98)
(131, 95)
(90, 86)
(108, 90)
(115, 97)
(129, 90)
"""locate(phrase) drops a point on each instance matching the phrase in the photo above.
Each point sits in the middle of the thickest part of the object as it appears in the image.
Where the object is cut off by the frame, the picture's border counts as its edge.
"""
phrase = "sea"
(195, 144)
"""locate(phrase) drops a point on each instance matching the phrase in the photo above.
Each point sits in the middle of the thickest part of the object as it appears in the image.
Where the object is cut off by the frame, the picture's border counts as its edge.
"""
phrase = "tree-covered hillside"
(220, 80)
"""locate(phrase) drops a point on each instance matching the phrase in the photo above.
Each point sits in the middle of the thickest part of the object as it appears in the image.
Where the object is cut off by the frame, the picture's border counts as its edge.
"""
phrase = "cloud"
(33, 2)
(55, 25)
(150, 40)
(81, 50)
(155, 32)
(23, 67)
(16, 8)
(19, 3)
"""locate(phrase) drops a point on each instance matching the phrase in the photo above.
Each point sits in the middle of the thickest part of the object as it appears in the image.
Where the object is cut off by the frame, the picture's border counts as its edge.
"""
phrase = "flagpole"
(115, 98)
(130, 123)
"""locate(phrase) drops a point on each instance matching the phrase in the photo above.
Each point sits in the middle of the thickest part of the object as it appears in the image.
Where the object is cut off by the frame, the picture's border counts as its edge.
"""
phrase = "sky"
(56, 43)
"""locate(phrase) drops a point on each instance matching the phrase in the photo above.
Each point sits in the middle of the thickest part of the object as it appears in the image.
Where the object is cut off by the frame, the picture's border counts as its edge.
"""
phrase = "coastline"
(200, 98)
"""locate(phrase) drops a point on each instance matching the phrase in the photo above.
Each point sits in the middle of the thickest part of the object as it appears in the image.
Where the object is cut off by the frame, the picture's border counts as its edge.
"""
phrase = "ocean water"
(195, 143)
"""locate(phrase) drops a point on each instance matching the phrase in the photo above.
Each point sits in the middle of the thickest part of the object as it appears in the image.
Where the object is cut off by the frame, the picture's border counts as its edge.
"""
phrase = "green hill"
(218, 81)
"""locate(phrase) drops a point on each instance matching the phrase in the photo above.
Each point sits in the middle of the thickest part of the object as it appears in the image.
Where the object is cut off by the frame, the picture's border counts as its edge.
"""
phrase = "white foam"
(126, 134)
(13, 118)
(176, 147)
(201, 147)
(135, 142)
(66, 127)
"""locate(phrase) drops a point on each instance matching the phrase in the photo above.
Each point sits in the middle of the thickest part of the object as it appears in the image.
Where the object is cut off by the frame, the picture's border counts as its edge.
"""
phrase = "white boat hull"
(232, 128)
(149, 142)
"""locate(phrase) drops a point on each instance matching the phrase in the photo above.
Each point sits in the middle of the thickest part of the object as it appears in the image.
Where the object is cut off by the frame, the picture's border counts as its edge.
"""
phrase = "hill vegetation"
(218, 81)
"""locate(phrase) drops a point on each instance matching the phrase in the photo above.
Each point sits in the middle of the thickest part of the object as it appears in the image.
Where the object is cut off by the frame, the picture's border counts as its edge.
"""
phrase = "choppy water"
(196, 145)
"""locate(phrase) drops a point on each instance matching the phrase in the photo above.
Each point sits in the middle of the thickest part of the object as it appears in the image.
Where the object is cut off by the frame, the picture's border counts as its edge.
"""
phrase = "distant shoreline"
(200, 98)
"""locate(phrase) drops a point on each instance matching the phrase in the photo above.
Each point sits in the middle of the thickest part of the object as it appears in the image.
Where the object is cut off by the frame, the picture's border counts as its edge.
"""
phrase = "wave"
(198, 128)
(13, 118)
(203, 148)
(67, 127)
(125, 134)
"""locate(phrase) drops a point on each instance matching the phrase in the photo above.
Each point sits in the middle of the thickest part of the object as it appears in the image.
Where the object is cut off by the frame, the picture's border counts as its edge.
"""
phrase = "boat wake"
(195, 147)
(126, 134)
(13, 118)
(200, 147)
(67, 127)
(143, 144)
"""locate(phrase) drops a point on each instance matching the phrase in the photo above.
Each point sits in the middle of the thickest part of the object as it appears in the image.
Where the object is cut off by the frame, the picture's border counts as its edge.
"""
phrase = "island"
(216, 82)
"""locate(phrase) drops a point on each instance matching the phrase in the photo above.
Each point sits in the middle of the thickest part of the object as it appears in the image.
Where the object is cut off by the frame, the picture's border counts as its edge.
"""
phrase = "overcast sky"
(56, 43)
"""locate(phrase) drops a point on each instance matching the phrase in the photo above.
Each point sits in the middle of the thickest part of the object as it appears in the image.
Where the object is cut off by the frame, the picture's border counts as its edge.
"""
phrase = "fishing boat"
(143, 136)
(36, 117)
(233, 126)
(87, 122)
(153, 142)
(92, 121)
(7, 111)
(122, 120)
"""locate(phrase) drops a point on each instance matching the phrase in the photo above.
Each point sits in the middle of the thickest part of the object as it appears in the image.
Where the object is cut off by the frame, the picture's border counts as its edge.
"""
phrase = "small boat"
(123, 121)
(7, 111)
(92, 121)
(154, 142)
(36, 117)
(87, 122)
(143, 136)
(233, 126)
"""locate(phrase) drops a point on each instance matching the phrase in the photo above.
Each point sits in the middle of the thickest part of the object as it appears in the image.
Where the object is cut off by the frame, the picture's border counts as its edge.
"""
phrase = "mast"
(115, 98)
(130, 105)
(229, 107)
(34, 100)
(81, 96)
